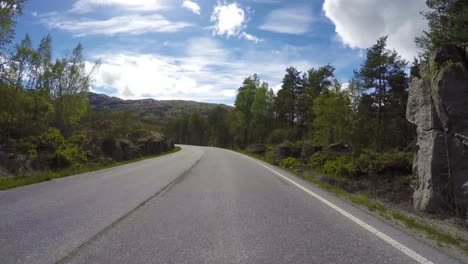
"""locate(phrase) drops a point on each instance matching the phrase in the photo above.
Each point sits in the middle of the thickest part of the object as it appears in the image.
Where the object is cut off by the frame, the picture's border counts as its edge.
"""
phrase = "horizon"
(202, 50)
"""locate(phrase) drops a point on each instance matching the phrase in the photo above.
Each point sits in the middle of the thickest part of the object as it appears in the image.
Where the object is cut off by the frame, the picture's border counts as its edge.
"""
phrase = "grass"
(408, 221)
(6, 184)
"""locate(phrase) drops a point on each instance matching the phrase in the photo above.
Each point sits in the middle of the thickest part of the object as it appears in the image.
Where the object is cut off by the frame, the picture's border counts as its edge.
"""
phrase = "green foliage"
(270, 155)
(387, 162)
(50, 140)
(380, 120)
(279, 135)
(290, 163)
(318, 160)
(333, 117)
(448, 23)
(286, 100)
(348, 165)
(9, 10)
(340, 166)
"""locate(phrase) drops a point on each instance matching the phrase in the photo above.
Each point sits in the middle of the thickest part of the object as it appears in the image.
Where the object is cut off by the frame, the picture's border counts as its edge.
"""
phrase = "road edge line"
(410, 253)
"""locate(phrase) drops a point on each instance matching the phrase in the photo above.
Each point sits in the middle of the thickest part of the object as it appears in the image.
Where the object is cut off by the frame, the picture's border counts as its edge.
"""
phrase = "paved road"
(199, 205)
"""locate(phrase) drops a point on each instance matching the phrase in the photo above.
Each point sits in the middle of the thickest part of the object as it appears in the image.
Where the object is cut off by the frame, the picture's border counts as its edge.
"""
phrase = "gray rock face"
(438, 106)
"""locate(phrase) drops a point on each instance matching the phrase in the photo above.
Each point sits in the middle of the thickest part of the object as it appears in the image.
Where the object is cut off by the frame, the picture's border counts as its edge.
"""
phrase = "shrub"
(270, 155)
(378, 163)
(25, 146)
(290, 163)
(69, 155)
(340, 166)
(62, 158)
(51, 140)
(318, 160)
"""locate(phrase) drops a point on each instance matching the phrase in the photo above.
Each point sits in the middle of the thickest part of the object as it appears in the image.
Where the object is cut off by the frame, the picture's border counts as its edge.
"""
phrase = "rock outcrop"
(438, 106)
(150, 143)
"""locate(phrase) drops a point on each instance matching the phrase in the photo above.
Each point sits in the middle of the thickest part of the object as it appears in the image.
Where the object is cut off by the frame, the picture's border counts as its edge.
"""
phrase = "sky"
(202, 50)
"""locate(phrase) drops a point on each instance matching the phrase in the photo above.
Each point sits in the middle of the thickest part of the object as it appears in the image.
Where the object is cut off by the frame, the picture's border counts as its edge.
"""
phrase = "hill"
(158, 111)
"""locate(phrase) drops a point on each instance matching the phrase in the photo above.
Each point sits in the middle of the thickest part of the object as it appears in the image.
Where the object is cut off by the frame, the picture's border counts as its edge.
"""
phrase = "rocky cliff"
(438, 106)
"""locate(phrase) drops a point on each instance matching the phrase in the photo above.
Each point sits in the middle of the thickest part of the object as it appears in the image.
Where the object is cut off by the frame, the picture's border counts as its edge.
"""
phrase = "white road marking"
(410, 253)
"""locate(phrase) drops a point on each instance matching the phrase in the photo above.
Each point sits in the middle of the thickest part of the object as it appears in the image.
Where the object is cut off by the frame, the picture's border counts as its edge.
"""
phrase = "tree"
(69, 86)
(448, 23)
(262, 113)
(286, 103)
(196, 128)
(332, 121)
(244, 100)
(315, 81)
(383, 77)
(9, 10)
(218, 123)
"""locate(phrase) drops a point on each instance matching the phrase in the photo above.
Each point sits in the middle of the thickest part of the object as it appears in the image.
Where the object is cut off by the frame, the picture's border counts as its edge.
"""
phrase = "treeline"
(368, 112)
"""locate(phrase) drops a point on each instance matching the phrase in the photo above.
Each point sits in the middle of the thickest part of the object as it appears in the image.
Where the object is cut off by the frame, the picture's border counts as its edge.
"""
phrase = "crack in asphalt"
(166, 188)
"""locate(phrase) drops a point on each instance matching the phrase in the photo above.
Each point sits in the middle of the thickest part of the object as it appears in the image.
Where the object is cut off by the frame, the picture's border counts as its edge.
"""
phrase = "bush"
(51, 140)
(318, 160)
(270, 155)
(379, 163)
(69, 155)
(341, 166)
(290, 163)
(25, 146)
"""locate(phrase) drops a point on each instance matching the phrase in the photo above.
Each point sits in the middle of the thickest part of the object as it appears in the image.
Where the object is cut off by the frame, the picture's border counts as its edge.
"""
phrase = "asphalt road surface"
(199, 205)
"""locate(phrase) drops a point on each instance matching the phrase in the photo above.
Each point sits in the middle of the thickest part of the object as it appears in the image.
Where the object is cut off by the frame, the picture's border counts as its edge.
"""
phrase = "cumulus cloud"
(130, 24)
(204, 71)
(230, 20)
(359, 23)
(85, 6)
(192, 6)
(291, 20)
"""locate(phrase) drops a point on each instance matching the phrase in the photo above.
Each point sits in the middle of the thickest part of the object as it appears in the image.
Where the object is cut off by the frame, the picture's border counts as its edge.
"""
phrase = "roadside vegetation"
(9, 183)
(47, 126)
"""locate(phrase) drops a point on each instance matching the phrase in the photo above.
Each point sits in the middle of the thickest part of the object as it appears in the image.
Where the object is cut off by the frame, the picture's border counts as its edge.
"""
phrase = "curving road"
(199, 205)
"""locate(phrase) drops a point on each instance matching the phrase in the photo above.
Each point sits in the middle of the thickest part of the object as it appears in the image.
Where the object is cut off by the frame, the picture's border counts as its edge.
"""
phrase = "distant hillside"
(158, 111)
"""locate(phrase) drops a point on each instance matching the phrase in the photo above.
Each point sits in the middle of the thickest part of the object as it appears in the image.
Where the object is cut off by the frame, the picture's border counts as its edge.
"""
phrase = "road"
(199, 205)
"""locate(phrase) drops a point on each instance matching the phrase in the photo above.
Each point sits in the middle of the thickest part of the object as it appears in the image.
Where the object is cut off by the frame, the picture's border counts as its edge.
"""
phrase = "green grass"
(408, 221)
(6, 184)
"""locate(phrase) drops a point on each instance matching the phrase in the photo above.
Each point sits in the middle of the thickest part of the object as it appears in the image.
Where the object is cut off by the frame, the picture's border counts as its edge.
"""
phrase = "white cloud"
(291, 20)
(85, 6)
(204, 71)
(192, 6)
(130, 24)
(359, 23)
(251, 37)
(230, 20)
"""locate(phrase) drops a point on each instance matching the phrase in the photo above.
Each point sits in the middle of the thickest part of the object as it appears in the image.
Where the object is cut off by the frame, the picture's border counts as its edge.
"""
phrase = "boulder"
(153, 143)
(256, 149)
(339, 148)
(438, 106)
(286, 150)
(309, 148)
(12, 164)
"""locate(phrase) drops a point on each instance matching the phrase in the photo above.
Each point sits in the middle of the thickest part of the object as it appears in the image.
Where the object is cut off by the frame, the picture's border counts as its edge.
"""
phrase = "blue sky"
(202, 49)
